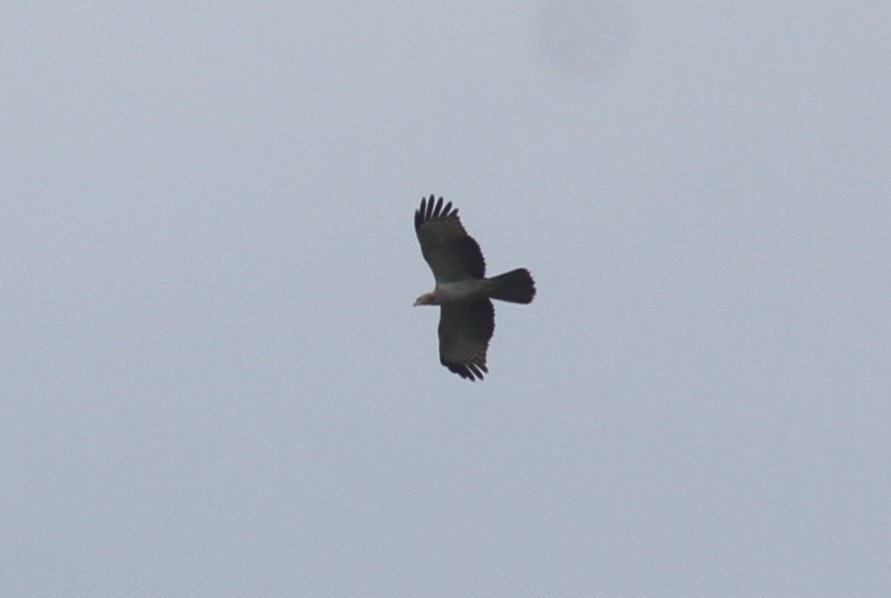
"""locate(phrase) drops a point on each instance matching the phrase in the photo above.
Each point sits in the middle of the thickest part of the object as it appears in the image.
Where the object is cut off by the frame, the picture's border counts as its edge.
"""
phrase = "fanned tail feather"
(515, 286)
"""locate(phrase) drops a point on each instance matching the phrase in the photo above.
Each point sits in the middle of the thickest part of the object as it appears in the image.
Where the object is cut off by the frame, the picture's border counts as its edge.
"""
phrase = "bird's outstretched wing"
(465, 328)
(451, 253)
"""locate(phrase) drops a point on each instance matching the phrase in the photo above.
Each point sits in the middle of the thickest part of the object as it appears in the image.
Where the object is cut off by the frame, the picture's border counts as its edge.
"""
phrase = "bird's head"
(425, 299)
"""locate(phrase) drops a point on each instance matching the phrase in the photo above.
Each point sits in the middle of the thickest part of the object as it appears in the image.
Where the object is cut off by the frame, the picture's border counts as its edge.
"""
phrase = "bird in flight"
(463, 293)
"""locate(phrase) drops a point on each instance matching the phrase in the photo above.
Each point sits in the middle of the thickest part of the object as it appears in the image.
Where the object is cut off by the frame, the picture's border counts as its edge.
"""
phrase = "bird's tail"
(516, 286)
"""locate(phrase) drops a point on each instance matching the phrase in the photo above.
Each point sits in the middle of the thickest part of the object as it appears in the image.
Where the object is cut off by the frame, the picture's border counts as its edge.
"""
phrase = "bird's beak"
(425, 299)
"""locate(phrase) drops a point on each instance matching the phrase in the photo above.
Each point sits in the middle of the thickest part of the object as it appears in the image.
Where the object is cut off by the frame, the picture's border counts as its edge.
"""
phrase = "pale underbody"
(460, 290)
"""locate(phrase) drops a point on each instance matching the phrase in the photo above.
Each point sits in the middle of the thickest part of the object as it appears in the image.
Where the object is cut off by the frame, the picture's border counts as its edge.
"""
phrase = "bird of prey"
(463, 293)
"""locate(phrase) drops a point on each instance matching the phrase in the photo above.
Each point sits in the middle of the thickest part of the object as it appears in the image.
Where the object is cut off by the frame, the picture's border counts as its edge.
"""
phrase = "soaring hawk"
(463, 293)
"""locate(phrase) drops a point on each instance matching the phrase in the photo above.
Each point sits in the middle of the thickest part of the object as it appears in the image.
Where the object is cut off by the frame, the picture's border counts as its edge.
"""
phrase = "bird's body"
(467, 317)
(459, 290)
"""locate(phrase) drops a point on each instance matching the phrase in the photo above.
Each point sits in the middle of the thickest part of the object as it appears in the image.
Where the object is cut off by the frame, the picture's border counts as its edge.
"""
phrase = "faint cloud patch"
(586, 38)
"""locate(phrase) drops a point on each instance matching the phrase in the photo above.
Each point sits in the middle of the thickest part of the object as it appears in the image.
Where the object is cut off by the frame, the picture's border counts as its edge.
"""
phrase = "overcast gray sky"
(213, 381)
